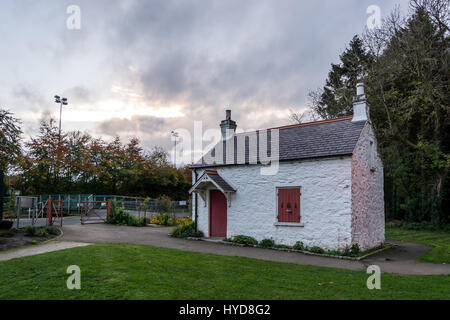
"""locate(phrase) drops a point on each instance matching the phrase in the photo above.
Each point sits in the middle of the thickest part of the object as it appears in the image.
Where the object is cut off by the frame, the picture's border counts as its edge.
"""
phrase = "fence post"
(18, 211)
(33, 214)
(49, 211)
(108, 208)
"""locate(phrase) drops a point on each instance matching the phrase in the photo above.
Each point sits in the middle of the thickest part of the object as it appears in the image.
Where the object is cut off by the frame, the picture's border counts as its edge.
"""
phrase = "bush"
(355, 250)
(163, 204)
(30, 230)
(120, 217)
(299, 246)
(41, 232)
(267, 243)
(33, 231)
(316, 250)
(51, 230)
(244, 240)
(186, 230)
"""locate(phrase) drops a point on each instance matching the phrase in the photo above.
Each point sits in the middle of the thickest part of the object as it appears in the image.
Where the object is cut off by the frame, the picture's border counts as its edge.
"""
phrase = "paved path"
(401, 259)
(39, 249)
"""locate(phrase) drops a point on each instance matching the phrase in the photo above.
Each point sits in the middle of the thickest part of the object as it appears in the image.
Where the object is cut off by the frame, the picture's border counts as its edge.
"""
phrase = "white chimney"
(360, 108)
(227, 126)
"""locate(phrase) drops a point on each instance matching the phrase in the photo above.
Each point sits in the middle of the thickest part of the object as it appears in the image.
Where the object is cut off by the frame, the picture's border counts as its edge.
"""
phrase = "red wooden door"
(289, 205)
(218, 214)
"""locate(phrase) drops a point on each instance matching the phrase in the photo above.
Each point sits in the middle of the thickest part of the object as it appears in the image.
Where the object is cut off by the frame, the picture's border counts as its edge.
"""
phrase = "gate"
(53, 210)
(95, 211)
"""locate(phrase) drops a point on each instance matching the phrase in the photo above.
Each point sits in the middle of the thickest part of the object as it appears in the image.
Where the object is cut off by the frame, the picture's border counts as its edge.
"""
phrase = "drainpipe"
(196, 202)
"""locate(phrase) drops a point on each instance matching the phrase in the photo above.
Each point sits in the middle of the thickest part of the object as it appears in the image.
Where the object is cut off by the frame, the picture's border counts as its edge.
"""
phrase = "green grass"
(145, 272)
(439, 240)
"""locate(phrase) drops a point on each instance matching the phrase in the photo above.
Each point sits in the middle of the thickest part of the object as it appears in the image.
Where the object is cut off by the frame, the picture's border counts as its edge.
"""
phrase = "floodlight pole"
(61, 101)
(175, 135)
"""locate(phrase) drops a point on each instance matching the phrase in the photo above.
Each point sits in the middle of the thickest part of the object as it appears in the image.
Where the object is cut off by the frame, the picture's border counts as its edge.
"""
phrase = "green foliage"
(316, 249)
(83, 164)
(34, 231)
(267, 243)
(186, 230)
(119, 216)
(299, 246)
(51, 230)
(30, 230)
(163, 204)
(405, 65)
(355, 250)
(241, 239)
(335, 99)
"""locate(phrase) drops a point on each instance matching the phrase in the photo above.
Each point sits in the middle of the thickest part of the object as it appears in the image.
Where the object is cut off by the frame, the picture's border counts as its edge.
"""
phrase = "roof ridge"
(299, 125)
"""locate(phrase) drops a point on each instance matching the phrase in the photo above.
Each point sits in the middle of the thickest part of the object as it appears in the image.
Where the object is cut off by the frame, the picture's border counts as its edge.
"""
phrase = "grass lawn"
(145, 272)
(440, 241)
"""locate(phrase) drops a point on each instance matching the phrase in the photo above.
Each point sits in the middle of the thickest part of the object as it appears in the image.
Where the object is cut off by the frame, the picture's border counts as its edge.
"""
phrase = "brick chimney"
(360, 108)
(227, 126)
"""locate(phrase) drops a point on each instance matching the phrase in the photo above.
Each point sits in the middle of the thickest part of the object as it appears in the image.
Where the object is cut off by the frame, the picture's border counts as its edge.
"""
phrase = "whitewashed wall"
(367, 192)
(325, 203)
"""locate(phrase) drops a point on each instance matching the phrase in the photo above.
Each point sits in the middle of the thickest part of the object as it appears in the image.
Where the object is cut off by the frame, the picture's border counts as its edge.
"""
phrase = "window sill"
(288, 224)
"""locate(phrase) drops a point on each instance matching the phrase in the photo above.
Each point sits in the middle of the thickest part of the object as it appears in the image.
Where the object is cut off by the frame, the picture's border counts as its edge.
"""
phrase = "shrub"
(267, 243)
(41, 232)
(244, 240)
(30, 230)
(316, 250)
(120, 217)
(299, 246)
(186, 230)
(163, 204)
(51, 230)
(355, 250)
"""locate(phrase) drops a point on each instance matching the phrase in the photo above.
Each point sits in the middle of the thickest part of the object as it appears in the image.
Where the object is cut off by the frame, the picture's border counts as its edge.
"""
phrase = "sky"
(142, 68)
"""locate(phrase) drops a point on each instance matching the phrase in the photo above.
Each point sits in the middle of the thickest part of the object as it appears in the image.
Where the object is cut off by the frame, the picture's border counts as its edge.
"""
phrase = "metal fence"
(24, 209)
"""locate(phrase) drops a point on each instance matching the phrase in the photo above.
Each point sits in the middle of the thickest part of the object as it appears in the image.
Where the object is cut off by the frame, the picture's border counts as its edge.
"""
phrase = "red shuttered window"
(289, 204)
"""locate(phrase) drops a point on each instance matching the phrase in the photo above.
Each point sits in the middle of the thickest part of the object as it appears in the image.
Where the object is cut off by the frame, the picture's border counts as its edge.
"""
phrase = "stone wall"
(325, 205)
(367, 192)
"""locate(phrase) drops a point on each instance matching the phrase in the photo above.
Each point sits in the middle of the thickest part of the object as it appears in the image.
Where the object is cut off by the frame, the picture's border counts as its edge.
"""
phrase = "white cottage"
(320, 183)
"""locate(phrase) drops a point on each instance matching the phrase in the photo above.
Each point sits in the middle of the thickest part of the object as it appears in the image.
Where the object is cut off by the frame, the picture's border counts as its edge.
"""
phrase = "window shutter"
(289, 205)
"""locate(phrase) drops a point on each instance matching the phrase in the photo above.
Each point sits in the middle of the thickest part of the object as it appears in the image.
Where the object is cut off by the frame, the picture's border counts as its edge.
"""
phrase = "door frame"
(209, 212)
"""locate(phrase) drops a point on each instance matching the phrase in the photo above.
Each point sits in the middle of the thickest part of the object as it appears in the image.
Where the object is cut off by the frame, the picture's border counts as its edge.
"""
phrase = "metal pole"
(34, 211)
(18, 212)
(60, 116)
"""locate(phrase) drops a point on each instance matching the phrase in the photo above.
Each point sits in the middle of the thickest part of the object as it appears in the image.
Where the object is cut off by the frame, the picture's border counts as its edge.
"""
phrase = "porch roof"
(211, 177)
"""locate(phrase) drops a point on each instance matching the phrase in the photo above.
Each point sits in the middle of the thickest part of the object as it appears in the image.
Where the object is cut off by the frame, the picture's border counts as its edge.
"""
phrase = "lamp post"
(61, 101)
(175, 136)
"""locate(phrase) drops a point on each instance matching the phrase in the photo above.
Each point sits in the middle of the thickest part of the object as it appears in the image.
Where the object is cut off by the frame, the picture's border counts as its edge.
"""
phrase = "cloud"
(144, 68)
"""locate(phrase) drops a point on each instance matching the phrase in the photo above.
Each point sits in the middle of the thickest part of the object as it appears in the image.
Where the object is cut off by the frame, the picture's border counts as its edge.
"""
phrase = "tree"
(408, 93)
(10, 137)
(335, 99)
